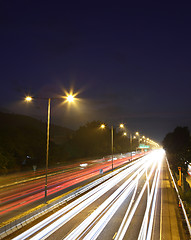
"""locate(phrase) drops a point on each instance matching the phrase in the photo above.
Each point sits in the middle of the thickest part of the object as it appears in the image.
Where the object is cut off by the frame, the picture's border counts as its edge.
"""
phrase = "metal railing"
(179, 198)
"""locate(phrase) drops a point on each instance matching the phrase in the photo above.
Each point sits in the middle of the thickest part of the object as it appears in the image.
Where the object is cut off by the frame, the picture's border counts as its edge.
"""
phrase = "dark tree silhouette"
(177, 146)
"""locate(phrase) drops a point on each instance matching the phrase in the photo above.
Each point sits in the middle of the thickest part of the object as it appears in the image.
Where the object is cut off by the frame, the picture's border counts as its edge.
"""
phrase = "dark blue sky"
(131, 63)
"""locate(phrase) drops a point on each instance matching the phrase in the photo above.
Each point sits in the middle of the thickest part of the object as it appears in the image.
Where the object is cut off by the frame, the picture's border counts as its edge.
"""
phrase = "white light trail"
(94, 224)
(75, 207)
(95, 232)
(128, 186)
(153, 208)
(97, 229)
(127, 213)
(143, 231)
(100, 225)
(120, 235)
(158, 156)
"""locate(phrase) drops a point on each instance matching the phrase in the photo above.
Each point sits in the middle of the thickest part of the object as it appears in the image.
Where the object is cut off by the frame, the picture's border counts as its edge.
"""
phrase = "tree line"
(23, 143)
(178, 148)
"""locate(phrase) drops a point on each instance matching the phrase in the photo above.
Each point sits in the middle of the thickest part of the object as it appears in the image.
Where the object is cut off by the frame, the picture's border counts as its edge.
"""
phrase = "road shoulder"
(171, 223)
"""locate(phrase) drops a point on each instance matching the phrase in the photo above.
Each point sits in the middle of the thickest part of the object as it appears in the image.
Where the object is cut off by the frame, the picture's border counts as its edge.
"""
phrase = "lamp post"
(47, 147)
(138, 136)
(69, 98)
(131, 141)
(131, 137)
(112, 145)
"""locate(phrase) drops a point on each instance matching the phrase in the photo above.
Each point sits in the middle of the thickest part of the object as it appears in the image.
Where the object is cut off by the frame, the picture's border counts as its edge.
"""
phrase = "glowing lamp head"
(121, 125)
(102, 126)
(70, 98)
(124, 134)
(28, 99)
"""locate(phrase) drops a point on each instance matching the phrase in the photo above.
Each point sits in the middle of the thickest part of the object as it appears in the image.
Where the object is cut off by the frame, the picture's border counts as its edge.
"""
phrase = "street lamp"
(102, 127)
(137, 135)
(28, 98)
(130, 137)
(69, 98)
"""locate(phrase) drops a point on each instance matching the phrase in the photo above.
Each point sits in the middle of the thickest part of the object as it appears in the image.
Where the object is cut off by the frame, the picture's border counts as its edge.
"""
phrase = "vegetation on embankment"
(178, 149)
(23, 143)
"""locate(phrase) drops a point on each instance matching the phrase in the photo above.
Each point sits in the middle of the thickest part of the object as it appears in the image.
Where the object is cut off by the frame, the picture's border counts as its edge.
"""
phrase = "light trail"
(114, 201)
(189, 169)
(98, 228)
(143, 231)
(128, 217)
(103, 188)
(90, 228)
(29, 192)
(79, 204)
(153, 207)
(108, 213)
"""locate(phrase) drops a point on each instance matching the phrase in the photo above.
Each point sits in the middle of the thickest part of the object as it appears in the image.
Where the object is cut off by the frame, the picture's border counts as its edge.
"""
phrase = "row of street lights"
(122, 126)
(141, 139)
(71, 98)
(147, 141)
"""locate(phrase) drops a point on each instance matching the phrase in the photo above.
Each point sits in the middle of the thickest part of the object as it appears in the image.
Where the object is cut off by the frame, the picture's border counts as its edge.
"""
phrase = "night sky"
(129, 63)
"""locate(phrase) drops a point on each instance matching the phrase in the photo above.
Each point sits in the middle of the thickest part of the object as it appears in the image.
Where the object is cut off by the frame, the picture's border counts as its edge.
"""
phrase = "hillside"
(58, 134)
(23, 142)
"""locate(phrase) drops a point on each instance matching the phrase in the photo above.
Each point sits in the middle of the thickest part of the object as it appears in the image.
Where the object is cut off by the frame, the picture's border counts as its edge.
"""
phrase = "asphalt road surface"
(25, 193)
(138, 202)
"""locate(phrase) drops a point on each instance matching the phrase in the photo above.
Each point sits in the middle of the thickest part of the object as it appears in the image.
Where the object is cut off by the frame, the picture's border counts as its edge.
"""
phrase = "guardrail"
(179, 198)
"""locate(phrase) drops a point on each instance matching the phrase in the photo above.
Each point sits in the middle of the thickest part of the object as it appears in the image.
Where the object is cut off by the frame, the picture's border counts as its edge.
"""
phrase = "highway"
(23, 194)
(126, 206)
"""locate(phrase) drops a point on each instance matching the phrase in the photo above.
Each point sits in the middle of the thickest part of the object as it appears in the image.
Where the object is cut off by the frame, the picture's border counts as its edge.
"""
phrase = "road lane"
(16, 198)
(171, 222)
(105, 203)
(136, 203)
